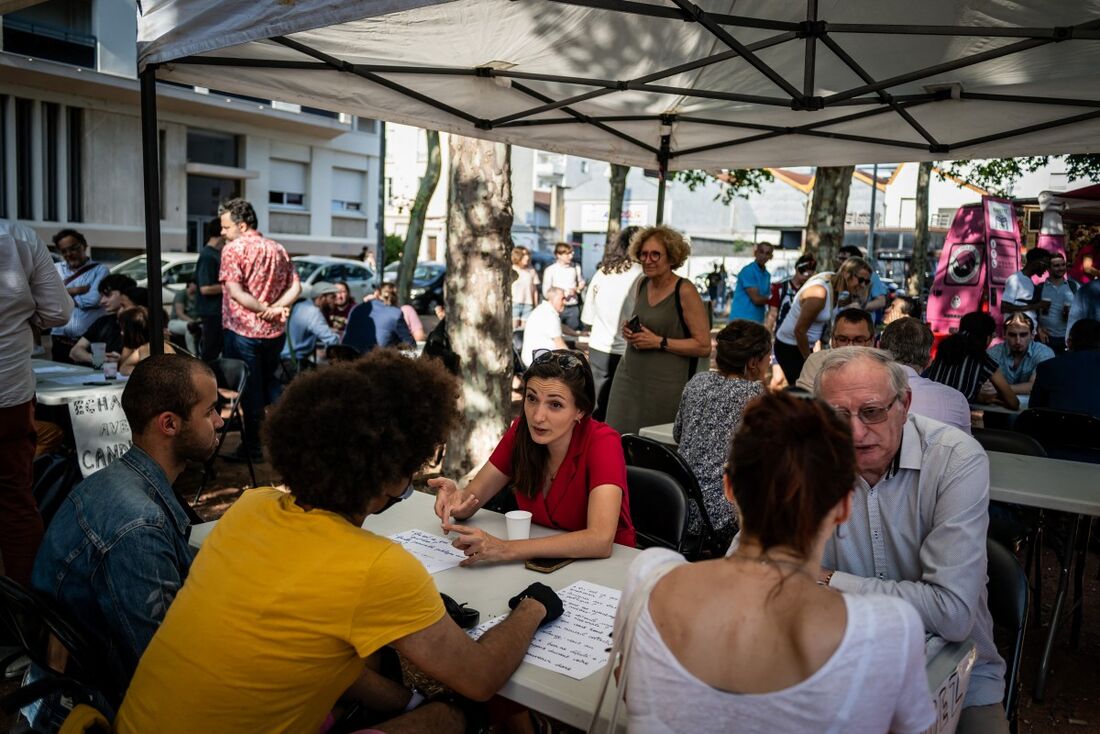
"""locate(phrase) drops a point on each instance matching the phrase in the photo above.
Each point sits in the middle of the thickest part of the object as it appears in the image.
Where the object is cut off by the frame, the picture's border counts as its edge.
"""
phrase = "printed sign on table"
(100, 428)
(578, 643)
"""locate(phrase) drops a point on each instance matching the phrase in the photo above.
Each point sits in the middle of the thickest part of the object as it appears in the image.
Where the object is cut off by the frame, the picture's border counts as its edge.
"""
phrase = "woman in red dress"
(565, 468)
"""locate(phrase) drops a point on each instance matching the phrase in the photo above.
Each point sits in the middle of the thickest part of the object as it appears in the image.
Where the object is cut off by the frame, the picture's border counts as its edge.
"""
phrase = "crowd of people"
(855, 505)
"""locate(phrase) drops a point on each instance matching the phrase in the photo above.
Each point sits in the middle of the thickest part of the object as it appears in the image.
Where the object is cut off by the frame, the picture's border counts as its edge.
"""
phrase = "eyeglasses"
(868, 415)
(71, 250)
(863, 281)
(653, 255)
(564, 359)
(856, 341)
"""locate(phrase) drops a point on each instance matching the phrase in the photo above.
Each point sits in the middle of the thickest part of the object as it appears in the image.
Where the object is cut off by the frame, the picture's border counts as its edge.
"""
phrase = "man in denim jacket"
(116, 552)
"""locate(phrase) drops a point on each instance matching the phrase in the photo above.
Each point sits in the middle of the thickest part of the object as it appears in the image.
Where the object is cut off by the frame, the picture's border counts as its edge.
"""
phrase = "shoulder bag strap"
(620, 649)
(85, 268)
(693, 363)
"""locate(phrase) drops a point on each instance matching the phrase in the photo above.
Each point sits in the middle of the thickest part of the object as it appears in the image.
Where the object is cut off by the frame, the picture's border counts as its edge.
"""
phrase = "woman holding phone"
(566, 468)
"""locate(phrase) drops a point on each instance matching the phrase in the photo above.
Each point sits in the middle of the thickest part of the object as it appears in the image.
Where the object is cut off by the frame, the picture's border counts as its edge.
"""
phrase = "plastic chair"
(649, 454)
(1064, 434)
(1009, 605)
(38, 624)
(658, 508)
(231, 374)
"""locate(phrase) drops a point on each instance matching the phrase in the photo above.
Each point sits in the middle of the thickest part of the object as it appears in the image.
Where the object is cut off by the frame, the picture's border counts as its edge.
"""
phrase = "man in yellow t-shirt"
(290, 595)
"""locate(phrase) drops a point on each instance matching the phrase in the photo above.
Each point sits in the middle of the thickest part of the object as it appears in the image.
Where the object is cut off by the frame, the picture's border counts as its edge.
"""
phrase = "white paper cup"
(519, 524)
(99, 353)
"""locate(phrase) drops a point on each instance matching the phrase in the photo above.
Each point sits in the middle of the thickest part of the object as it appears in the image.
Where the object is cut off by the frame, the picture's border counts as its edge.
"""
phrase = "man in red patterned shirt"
(259, 284)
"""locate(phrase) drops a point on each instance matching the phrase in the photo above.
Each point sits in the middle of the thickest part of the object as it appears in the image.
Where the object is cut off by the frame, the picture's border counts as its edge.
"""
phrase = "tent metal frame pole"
(662, 175)
(811, 51)
(150, 159)
(1029, 129)
(871, 226)
(862, 73)
(380, 245)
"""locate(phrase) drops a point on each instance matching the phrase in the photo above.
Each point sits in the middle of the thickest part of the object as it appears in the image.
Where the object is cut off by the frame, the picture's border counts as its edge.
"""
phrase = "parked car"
(318, 268)
(176, 268)
(426, 291)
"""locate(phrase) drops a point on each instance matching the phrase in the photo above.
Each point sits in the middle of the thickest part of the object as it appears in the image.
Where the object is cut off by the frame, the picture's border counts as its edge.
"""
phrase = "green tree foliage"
(739, 182)
(395, 243)
(999, 175)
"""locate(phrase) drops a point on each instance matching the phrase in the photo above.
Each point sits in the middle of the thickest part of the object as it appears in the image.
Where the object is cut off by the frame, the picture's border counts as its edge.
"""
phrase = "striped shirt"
(920, 534)
(967, 376)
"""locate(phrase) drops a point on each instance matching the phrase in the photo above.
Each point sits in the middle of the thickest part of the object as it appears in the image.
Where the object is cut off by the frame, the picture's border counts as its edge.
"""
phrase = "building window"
(347, 190)
(366, 125)
(75, 151)
(51, 114)
(24, 179)
(59, 30)
(3, 156)
(212, 147)
(288, 184)
(584, 166)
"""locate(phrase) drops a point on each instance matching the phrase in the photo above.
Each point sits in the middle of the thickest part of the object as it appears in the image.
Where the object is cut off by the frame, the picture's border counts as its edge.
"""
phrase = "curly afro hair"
(340, 434)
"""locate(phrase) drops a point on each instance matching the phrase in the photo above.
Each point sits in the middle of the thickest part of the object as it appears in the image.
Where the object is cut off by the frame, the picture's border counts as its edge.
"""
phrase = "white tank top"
(786, 329)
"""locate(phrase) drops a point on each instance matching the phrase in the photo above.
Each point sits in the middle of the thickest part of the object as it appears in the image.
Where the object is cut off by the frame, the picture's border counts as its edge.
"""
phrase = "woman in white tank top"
(752, 642)
(814, 305)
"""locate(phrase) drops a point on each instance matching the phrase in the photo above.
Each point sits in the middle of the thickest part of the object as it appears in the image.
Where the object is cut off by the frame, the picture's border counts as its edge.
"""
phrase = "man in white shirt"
(566, 275)
(920, 513)
(1019, 293)
(543, 329)
(910, 341)
(34, 296)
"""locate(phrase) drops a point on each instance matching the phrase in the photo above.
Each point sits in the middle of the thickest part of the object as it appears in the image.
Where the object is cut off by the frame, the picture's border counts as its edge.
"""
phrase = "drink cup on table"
(110, 370)
(99, 352)
(519, 524)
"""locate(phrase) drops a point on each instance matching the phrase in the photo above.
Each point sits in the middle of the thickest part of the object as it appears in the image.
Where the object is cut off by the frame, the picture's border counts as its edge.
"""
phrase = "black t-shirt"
(106, 329)
(206, 273)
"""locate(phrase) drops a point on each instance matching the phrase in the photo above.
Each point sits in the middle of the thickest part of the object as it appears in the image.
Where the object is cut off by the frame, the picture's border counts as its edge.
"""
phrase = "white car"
(176, 268)
(317, 268)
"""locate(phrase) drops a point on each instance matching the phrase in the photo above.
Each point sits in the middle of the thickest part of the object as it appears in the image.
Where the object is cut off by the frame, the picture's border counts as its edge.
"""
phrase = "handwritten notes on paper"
(434, 551)
(576, 644)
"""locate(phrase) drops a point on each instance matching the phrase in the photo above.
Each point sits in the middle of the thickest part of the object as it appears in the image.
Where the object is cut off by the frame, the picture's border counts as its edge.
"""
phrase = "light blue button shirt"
(87, 304)
(1036, 352)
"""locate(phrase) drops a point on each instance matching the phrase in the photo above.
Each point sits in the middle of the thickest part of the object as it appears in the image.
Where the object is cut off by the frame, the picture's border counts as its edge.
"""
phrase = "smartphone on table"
(547, 565)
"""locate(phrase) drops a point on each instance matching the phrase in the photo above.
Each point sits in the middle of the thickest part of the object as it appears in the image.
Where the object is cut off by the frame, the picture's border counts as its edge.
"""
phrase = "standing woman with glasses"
(814, 306)
(666, 336)
(566, 469)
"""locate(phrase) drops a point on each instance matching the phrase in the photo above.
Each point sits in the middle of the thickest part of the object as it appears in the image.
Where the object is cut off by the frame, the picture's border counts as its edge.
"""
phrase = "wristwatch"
(664, 343)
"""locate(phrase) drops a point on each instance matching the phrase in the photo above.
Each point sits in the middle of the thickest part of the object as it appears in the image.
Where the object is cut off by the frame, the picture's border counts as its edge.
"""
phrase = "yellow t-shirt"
(278, 612)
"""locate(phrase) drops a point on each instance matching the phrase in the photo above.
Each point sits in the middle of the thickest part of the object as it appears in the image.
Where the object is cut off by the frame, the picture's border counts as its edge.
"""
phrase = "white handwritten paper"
(576, 644)
(100, 428)
(434, 551)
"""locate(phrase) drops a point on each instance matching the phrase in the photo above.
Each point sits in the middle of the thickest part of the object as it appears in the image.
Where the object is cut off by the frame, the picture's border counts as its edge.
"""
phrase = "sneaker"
(15, 662)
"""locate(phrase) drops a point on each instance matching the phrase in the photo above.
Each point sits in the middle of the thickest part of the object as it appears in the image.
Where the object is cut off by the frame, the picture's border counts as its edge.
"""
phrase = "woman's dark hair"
(790, 463)
(616, 256)
(116, 282)
(134, 324)
(326, 439)
(740, 342)
(975, 330)
(529, 459)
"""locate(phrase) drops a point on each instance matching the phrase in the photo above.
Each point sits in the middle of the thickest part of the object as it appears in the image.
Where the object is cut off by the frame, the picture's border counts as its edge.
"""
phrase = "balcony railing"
(43, 41)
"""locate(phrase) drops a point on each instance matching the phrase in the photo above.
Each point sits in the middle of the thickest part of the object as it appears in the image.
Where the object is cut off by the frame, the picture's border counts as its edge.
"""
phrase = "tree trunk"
(615, 205)
(825, 230)
(479, 296)
(919, 262)
(417, 215)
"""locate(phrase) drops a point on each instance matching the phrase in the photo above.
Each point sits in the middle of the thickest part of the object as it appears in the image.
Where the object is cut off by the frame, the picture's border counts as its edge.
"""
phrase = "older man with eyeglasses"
(853, 327)
(920, 511)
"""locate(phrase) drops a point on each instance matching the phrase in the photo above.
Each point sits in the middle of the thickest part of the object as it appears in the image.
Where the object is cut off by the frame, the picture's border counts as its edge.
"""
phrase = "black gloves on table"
(545, 596)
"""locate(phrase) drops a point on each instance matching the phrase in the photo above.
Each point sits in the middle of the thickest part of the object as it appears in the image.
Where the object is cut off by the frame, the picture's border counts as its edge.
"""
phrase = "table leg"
(1056, 613)
(1078, 586)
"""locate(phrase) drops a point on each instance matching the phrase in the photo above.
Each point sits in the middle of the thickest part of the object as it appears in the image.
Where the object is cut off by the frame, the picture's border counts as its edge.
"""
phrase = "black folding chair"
(649, 454)
(231, 374)
(658, 508)
(77, 668)
(1027, 528)
(1009, 605)
(1064, 434)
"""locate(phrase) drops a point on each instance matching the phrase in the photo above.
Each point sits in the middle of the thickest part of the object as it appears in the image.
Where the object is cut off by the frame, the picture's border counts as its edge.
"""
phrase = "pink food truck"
(981, 251)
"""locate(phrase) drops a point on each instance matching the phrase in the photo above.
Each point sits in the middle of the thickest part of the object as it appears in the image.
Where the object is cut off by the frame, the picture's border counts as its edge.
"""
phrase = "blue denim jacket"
(115, 554)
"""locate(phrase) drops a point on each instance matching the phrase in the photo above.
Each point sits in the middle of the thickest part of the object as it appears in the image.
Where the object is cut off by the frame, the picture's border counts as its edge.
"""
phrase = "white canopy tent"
(661, 84)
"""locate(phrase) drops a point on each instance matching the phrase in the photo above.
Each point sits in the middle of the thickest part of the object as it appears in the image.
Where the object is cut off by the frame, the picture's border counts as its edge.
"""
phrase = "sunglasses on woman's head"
(564, 359)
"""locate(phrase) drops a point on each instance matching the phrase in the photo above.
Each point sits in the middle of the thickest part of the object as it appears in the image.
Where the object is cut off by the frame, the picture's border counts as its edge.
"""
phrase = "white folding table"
(57, 383)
